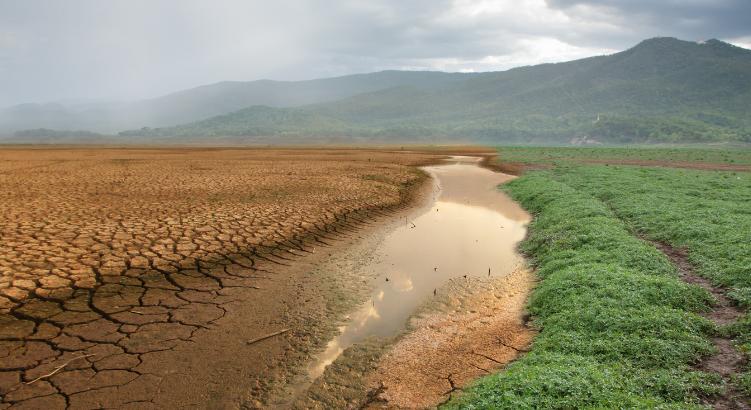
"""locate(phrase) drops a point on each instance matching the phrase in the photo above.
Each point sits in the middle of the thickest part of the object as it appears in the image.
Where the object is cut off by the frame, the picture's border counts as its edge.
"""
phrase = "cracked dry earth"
(474, 328)
(134, 278)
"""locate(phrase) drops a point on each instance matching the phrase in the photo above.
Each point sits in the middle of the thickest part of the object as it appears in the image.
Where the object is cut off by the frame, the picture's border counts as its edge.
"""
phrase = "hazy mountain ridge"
(209, 100)
(661, 90)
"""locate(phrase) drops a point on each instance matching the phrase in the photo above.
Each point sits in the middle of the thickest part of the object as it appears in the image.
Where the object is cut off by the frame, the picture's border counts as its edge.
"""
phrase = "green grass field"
(563, 155)
(618, 327)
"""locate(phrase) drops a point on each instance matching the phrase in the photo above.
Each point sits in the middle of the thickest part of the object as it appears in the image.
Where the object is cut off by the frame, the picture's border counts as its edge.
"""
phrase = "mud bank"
(144, 278)
(447, 300)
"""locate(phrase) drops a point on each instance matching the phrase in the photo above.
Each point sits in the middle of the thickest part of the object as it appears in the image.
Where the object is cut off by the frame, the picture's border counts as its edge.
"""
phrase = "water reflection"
(471, 229)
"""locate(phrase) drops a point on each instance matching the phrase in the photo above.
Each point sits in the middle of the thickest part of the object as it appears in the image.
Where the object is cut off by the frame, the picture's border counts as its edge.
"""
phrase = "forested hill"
(661, 90)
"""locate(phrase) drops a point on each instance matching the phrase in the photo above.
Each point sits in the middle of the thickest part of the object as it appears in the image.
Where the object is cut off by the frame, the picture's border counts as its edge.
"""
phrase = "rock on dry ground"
(131, 277)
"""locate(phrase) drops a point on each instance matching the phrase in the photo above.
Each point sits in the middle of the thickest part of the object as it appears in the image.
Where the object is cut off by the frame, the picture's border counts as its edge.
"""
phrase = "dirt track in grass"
(728, 360)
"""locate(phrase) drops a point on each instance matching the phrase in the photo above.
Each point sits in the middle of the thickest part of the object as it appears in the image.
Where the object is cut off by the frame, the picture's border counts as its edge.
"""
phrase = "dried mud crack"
(477, 327)
(471, 328)
(728, 361)
(134, 278)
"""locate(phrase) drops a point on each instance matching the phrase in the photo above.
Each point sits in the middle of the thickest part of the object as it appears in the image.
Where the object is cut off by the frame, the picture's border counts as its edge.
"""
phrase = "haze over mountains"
(207, 101)
(662, 90)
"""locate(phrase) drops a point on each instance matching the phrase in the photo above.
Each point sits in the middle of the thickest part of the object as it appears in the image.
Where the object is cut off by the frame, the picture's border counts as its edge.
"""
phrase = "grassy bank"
(618, 328)
(706, 213)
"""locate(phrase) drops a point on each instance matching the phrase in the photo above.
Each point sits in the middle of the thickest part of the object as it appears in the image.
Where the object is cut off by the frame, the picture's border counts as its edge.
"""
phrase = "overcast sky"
(53, 50)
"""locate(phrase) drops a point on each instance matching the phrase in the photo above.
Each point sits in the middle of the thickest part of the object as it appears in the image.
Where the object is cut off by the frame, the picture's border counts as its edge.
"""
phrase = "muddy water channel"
(471, 230)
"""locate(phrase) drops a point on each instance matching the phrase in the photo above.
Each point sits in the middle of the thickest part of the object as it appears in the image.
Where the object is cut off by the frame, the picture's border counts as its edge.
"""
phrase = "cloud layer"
(126, 49)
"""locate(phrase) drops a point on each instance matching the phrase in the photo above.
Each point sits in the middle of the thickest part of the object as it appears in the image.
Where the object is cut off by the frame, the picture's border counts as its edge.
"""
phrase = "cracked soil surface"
(135, 278)
(474, 329)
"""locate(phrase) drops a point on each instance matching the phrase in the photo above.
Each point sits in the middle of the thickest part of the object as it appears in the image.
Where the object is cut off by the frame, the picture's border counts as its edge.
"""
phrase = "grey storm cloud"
(126, 49)
(688, 19)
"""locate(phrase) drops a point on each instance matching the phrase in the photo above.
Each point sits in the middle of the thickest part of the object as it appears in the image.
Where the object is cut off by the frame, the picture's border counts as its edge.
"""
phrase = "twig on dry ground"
(258, 339)
(61, 367)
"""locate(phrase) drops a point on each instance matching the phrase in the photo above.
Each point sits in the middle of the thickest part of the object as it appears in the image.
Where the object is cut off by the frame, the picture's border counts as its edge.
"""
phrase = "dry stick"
(61, 367)
(258, 339)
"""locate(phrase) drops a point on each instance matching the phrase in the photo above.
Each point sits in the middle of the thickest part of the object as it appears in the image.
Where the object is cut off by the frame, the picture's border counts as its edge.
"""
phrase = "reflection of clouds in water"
(358, 321)
(402, 283)
(372, 313)
(454, 238)
(333, 350)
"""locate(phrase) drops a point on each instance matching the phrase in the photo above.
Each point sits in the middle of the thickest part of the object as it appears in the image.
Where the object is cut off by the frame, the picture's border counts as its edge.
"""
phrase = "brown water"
(471, 229)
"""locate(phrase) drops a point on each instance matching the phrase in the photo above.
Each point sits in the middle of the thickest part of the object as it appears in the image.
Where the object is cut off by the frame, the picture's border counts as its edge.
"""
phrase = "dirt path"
(728, 361)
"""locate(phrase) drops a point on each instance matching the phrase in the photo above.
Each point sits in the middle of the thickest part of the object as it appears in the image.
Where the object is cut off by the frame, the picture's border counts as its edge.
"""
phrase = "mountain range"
(661, 90)
(208, 101)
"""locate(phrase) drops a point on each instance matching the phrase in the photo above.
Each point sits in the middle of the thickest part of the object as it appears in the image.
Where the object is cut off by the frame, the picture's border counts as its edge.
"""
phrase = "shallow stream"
(471, 229)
